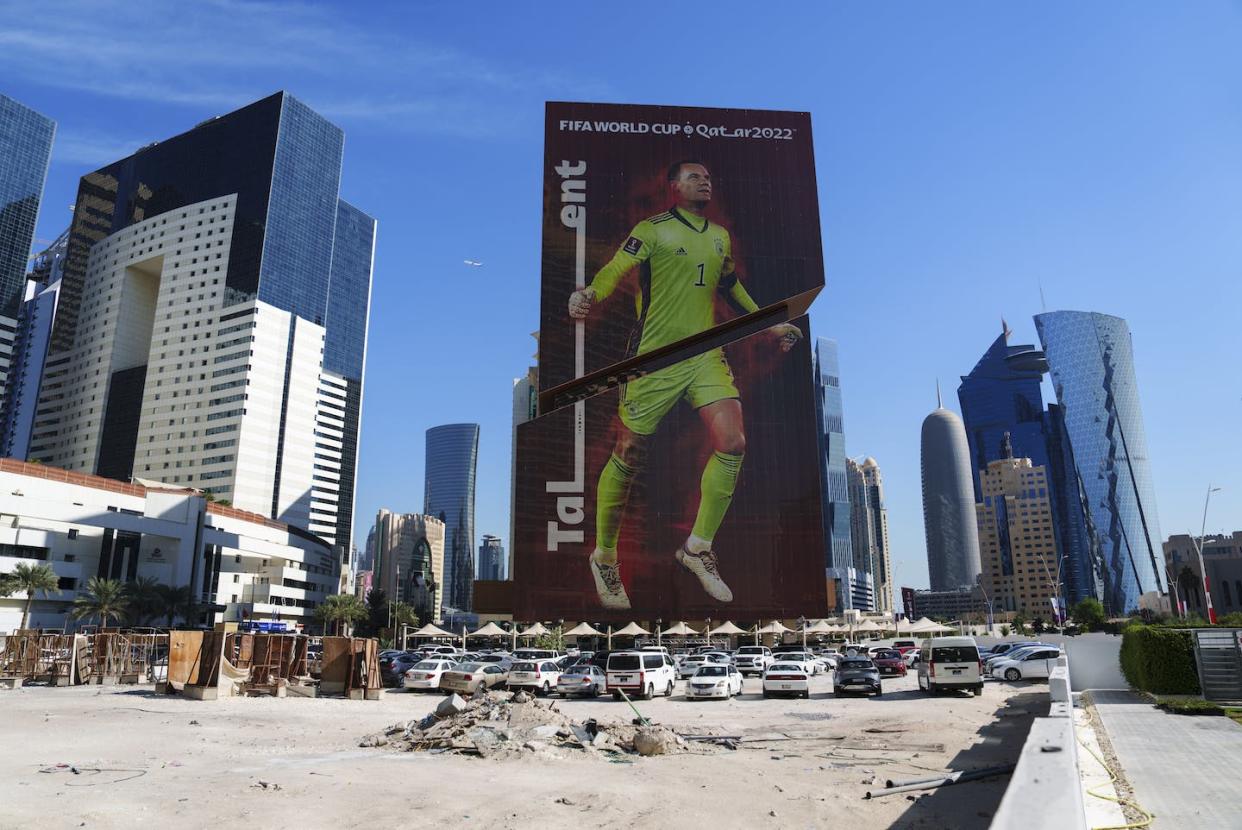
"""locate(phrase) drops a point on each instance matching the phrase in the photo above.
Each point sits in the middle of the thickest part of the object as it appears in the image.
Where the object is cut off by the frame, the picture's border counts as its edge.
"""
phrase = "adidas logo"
(680, 252)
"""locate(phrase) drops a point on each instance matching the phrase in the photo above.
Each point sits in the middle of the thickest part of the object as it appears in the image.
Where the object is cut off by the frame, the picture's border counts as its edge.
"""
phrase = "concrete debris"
(499, 724)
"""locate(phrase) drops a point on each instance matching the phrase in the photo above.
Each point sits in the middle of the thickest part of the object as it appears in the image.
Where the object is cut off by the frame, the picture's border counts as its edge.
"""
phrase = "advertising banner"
(665, 229)
(696, 488)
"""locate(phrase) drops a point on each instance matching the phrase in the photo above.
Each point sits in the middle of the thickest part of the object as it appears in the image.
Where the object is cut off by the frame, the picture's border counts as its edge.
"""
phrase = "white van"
(640, 674)
(950, 663)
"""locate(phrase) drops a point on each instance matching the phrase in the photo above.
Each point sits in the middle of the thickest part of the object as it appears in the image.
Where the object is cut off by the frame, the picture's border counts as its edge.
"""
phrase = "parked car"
(501, 659)
(538, 676)
(394, 666)
(803, 657)
(950, 663)
(537, 654)
(468, 678)
(694, 662)
(582, 680)
(753, 659)
(1013, 654)
(856, 674)
(424, 676)
(566, 661)
(714, 680)
(905, 646)
(1038, 662)
(641, 674)
(827, 662)
(889, 661)
(786, 679)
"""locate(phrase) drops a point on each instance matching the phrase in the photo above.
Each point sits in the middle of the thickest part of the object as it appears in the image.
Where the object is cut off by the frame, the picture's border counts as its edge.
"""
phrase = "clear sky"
(967, 153)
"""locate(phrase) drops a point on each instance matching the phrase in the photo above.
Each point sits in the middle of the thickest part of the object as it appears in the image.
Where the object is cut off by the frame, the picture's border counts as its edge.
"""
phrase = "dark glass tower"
(949, 520)
(451, 456)
(1092, 364)
(25, 149)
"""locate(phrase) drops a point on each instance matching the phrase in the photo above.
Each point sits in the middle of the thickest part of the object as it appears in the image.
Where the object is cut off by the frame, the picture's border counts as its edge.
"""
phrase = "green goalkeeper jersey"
(683, 261)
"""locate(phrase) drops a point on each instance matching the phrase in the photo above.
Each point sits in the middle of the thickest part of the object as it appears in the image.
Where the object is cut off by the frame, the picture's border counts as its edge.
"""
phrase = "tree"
(340, 609)
(104, 598)
(1038, 625)
(1089, 614)
(31, 579)
(142, 599)
(377, 614)
(1004, 631)
(1019, 622)
(176, 602)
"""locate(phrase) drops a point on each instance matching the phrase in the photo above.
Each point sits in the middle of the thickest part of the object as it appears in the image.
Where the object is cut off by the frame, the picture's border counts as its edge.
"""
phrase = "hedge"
(1159, 660)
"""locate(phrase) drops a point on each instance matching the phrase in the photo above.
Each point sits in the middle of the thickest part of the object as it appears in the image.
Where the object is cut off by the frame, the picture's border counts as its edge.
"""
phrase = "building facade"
(853, 588)
(1222, 556)
(1021, 569)
(525, 408)
(240, 566)
(965, 604)
(25, 152)
(1091, 360)
(869, 531)
(210, 330)
(410, 560)
(948, 503)
(451, 458)
(491, 558)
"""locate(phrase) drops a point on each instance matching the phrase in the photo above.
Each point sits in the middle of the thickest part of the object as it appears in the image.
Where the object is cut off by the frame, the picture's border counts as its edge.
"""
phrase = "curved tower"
(948, 502)
(452, 451)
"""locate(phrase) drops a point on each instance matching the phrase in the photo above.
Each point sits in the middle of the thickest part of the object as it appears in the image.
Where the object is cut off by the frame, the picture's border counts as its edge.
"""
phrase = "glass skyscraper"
(25, 149)
(1092, 365)
(448, 494)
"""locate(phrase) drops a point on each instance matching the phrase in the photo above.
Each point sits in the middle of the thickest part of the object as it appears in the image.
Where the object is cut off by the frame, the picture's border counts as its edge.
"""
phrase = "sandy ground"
(147, 761)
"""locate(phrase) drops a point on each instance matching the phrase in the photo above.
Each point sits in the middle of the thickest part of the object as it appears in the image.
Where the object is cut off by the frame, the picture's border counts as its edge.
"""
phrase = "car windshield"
(491, 658)
(427, 664)
(955, 654)
(888, 654)
(776, 667)
(466, 668)
(750, 650)
(624, 662)
(711, 671)
(857, 664)
(525, 667)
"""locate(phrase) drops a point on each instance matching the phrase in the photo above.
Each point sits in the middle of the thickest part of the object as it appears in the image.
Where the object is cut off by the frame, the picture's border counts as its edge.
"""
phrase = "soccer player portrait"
(685, 261)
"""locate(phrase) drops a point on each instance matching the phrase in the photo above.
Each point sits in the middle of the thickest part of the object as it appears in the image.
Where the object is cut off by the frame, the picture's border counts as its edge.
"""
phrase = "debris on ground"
(505, 724)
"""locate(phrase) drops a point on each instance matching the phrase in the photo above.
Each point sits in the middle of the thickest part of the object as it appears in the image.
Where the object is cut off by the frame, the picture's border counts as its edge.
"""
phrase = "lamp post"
(1207, 592)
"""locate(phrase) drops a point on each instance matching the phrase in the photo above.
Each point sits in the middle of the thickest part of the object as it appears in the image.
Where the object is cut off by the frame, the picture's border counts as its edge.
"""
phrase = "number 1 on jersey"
(700, 283)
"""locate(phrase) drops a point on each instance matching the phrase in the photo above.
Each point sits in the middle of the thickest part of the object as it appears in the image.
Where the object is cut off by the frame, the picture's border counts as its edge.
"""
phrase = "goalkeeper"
(684, 260)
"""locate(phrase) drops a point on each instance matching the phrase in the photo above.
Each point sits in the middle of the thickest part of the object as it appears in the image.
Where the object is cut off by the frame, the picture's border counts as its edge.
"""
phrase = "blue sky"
(967, 153)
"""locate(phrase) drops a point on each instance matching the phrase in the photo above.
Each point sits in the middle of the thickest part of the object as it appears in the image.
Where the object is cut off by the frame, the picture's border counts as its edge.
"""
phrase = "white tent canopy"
(430, 630)
(926, 626)
(818, 627)
(489, 630)
(727, 627)
(773, 627)
(869, 625)
(678, 629)
(632, 630)
(534, 631)
(583, 630)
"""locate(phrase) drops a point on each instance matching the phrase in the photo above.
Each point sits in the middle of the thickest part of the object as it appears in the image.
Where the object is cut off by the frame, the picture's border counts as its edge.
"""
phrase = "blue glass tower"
(25, 149)
(448, 494)
(1092, 364)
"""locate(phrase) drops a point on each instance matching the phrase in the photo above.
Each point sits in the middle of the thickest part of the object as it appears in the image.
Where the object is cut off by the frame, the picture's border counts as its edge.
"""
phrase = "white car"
(424, 676)
(1029, 664)
(714, 680)
(694, 662)
(753, 659)
(538, 676)
(641, 674)
(807, 659)
(787, 679)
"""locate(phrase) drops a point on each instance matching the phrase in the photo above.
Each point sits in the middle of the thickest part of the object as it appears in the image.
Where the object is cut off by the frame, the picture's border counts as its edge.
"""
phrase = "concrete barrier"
(1045, 790)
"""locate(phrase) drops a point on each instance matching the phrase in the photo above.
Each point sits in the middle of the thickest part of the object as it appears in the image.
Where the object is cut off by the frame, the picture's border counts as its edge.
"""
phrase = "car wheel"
(806, 695)
(978, 690)
(838, 693)
(616, 695)
(766, 693)
(669, 691)
(878, 692)
(547, 688)
(1013, 674)
(932, 690)
(650, 693)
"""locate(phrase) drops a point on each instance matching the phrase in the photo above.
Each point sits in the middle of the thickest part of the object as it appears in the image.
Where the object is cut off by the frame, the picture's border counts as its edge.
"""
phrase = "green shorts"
(703, 379)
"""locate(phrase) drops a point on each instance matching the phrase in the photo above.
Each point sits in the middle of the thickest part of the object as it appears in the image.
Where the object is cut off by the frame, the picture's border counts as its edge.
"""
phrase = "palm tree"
(176, 602)
(143, 598)
(340, 609)
(104, 598)
(31, 579)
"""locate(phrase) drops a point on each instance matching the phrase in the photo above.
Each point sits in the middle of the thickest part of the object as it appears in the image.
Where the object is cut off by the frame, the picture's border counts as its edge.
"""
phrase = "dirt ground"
(147, 761)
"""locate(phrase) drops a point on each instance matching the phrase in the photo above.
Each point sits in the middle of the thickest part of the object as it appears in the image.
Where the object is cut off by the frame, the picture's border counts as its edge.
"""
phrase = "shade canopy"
(773, 627)
(430, 630)
(869, 625)
(632, 630)
(489, 630)
(818, 627)
(727, 628)
(534, 631)
(679, 629)
(583, 630)
(926, 626)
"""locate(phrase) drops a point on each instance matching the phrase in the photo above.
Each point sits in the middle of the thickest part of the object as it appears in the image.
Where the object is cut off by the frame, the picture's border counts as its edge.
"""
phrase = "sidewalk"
(1182, 768)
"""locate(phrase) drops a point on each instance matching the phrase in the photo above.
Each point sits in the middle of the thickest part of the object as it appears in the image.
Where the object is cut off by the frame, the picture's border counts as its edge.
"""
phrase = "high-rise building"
(211, 324)
(525, 408)
(948, 502)
(1222, 556)
(1002, 396)
(1091, 359)
(1021, 570)
(451, 457)
(25, 150)
(409, 561)
(869, 530)
(853, 587)
(491, 558)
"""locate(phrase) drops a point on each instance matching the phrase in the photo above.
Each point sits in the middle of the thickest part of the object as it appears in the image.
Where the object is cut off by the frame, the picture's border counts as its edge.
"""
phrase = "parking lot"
(296, 763)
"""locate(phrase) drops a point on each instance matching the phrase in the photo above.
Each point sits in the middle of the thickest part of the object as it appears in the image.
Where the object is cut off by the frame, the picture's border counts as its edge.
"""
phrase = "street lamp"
(1207, 593)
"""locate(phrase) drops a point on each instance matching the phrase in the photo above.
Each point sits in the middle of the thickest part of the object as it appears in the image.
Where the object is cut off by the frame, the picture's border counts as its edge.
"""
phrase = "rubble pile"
(509, 724)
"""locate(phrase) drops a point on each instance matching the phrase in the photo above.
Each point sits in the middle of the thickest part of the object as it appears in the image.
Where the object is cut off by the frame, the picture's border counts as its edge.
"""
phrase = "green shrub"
(1159, 660)
(1188, 706)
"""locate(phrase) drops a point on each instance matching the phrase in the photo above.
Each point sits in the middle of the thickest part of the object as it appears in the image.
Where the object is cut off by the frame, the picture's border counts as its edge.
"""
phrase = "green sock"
(611, 494)
(719, 480)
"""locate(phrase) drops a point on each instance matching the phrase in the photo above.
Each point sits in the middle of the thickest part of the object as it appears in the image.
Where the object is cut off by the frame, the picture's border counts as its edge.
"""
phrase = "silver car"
(582, 680)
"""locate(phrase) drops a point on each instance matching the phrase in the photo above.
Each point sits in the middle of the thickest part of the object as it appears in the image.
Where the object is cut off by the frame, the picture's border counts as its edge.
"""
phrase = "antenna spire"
(939, 402)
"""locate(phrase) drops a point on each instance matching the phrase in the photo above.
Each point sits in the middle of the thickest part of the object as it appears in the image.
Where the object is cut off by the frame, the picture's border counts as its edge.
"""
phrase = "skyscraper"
(409, 561)
(525, 408)
(491, 558)
(869, 530)
(854, 587)
(212, 317)
(451, 456)
(1091, 359)
(25, 150)
(948, 502)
